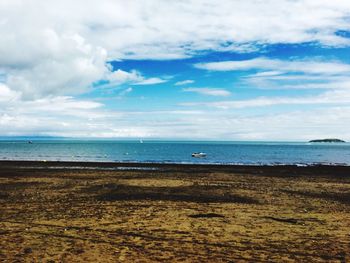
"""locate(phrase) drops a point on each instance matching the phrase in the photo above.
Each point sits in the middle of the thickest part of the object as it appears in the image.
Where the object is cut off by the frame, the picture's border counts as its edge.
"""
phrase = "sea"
(150, 151)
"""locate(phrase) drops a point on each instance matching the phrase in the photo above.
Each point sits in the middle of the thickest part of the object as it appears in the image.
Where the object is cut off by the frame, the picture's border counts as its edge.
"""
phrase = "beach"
(142, 212)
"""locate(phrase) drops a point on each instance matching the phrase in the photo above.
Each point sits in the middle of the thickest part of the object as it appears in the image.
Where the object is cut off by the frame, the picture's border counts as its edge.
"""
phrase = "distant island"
(327, 140)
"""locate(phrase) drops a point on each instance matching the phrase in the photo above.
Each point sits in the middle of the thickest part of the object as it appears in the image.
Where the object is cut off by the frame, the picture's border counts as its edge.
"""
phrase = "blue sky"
(252, 70)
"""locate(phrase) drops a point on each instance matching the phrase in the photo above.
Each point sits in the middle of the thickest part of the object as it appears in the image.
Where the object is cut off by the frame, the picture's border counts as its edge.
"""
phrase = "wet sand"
(60, 212)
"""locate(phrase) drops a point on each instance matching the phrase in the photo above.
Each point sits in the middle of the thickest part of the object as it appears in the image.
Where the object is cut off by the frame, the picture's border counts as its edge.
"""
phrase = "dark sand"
(178, 213)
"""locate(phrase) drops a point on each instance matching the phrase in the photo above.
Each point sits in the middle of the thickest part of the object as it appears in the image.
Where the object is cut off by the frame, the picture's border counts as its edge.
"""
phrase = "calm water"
(177, 152)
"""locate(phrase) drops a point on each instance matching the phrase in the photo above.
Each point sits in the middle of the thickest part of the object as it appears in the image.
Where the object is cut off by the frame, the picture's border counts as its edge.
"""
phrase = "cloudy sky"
(187, 69)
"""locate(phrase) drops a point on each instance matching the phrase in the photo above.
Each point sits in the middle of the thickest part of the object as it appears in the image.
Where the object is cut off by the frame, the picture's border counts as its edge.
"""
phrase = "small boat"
(30, 142)
(141, 141)
(199, 155)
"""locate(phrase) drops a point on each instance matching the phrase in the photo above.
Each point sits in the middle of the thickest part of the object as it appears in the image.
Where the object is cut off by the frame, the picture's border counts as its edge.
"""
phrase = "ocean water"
(249, 153)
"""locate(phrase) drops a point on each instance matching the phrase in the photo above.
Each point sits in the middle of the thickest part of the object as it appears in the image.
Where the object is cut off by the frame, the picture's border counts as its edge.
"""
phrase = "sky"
(276, 70)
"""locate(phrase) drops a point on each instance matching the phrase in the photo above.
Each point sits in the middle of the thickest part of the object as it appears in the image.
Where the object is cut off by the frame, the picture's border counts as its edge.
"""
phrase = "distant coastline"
(327, 140)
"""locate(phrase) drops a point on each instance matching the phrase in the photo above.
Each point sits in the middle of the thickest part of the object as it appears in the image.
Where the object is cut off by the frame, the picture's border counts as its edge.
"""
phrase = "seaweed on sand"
(194, 193)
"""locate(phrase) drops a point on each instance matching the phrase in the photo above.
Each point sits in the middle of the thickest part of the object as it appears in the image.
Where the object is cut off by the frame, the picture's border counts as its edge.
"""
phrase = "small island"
(327, 140)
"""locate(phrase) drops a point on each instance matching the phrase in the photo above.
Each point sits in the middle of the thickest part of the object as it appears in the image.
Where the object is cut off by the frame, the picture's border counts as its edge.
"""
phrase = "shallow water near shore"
(247, 153)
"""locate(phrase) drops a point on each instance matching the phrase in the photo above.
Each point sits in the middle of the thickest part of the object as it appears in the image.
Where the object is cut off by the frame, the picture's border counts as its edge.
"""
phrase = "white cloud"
(150, 81)
(51, 50)
(58, 116)
(184, 82)
(330, 97)
(59, 48)
(7, 95)
(230, 125)
(163, 30)
(48, 116)
(57, 106)
(299, 82)
(133, 77)
(286, 74)
(58, 65)
(125, 91)
(119, 77)
(209, 91)
(267, 74)
(277, 66)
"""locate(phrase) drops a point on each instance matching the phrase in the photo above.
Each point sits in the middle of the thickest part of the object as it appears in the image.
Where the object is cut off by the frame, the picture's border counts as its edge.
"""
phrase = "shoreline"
(166, 164)
(334, 170)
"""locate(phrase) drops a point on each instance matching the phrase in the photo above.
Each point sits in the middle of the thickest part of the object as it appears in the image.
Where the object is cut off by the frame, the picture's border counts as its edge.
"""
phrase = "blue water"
(251, 153)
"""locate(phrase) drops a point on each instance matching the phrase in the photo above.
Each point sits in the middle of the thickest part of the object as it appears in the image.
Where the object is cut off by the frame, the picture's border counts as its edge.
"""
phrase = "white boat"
(199, 155)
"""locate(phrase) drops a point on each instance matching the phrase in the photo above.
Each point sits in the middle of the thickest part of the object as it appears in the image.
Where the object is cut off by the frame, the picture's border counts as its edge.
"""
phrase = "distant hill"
(327, 140)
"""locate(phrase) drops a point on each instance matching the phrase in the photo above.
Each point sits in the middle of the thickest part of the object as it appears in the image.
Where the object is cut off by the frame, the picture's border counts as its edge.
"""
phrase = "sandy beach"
(76, 212)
